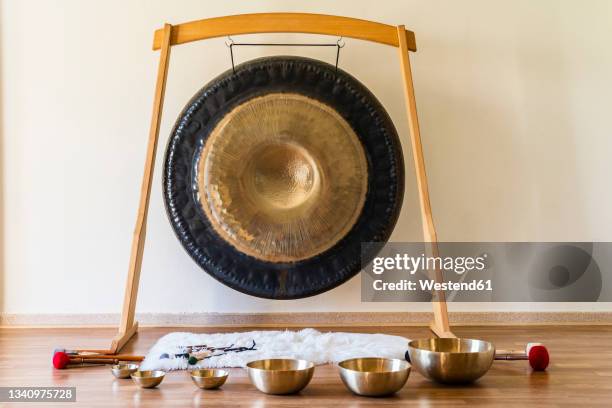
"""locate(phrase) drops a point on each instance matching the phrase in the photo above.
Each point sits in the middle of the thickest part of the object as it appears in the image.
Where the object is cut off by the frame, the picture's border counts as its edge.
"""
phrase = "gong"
(277, 172)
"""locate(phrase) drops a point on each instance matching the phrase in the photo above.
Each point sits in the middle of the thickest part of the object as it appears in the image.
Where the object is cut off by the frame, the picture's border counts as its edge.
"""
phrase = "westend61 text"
(430, 285)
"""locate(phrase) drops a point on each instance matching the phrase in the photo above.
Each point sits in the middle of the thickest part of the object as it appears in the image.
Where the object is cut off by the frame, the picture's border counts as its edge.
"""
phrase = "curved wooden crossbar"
(284, 23)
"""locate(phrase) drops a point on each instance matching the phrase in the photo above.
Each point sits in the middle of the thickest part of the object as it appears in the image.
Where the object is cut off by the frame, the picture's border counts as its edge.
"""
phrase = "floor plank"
(580, 372)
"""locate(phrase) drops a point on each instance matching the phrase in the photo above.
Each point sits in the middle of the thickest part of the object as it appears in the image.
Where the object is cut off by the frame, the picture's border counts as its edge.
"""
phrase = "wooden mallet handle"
(120, 357)
(87, 360)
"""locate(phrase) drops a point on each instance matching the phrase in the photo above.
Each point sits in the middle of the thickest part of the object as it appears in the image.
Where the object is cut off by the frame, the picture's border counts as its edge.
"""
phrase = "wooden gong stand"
(165, 38)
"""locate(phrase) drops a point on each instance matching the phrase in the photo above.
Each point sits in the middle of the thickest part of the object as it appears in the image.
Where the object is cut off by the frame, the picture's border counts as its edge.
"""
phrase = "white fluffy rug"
(307, 344)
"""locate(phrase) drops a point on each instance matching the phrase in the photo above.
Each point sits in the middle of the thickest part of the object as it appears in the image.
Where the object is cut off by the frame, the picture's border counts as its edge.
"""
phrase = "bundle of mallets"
(63, 358)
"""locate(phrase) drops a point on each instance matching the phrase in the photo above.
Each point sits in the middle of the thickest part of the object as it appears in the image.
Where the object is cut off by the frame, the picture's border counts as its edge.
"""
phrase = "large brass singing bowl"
(280, 376)
(451, 360)
(374, 377)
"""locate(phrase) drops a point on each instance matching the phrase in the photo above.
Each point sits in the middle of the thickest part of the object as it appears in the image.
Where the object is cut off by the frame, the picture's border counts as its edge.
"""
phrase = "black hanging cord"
(231, 44)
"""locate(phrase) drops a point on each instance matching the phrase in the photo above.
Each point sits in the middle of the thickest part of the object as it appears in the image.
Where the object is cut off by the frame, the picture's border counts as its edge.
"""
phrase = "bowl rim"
(155, 374)
(125, 366)
(491, 346)
(310, 365)
(224, 372)
(406, 365)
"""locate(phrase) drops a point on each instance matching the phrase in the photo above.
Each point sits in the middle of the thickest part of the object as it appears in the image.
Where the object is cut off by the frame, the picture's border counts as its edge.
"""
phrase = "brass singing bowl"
(148, 379)
(451, 360)
(209, 379)
(280, 376)
(123, 370)
(374, 377)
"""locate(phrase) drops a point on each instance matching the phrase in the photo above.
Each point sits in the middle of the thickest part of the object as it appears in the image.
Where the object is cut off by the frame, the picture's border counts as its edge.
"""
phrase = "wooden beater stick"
(121, 357)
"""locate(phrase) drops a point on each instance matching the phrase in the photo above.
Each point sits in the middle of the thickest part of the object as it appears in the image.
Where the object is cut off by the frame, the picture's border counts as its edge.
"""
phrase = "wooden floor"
(580, 373)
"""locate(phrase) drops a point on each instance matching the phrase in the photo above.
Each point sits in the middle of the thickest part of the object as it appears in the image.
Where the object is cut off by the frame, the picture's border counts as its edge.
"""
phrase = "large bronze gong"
(277, 172)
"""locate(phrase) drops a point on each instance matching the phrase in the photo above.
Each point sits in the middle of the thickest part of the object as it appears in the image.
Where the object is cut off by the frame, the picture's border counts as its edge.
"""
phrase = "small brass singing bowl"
(374, 377)
(451, 360)
(209, 379)
(280, 376)
(148, 379)
(123, 370)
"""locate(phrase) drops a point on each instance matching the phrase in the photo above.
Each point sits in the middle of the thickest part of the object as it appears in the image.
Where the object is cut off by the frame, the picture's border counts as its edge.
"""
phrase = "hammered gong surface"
(276, 173)
(282, 177)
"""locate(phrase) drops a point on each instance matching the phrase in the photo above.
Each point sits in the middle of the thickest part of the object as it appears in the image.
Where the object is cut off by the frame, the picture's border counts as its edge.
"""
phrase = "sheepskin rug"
(307, 344)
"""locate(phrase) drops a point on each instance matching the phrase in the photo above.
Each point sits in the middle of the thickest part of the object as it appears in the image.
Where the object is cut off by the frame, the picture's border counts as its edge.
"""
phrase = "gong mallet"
(63, 360)
(102, 354)
(535, 353)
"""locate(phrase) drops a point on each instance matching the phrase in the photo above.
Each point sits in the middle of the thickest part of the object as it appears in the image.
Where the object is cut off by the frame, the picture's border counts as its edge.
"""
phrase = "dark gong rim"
(317, 80)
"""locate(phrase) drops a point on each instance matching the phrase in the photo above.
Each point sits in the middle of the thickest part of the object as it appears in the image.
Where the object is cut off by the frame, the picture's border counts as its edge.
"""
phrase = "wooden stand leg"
(128, 326)
(440, 325)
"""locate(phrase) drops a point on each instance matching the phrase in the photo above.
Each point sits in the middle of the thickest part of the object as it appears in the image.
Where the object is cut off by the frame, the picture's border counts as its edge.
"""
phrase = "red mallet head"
(538, 356)
(60, 360)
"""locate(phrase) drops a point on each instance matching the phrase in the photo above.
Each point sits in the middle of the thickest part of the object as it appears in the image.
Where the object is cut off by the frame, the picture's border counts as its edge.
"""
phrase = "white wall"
(514, 103)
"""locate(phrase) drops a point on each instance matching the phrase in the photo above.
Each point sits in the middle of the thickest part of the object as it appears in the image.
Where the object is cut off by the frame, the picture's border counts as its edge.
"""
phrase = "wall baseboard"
(305, 319)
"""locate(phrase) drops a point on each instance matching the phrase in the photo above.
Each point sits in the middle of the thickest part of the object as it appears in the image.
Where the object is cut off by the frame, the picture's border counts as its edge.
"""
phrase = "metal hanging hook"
(339, 45)
(230, 44)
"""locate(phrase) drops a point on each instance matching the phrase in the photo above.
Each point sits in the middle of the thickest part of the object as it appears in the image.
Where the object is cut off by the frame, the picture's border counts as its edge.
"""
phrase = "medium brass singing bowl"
(280, 376)
(123, 370)
(451, 360)
(209, 379)
(374, 377)
(148, 379)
